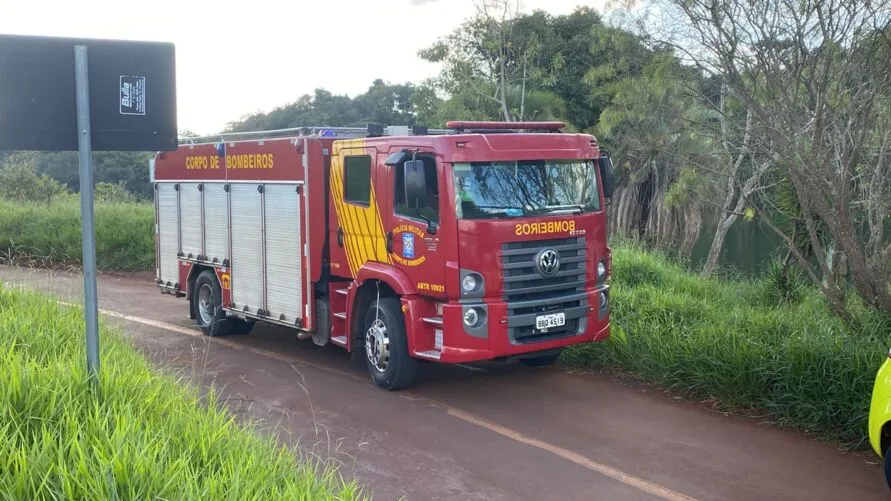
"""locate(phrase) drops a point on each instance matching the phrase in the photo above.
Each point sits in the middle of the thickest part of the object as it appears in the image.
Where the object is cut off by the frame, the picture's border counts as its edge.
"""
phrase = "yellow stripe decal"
(364, 237)
(342, 216)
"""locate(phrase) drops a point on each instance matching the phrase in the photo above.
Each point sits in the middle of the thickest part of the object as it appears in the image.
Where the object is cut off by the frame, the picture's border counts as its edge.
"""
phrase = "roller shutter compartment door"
(168, 233)
(284, 253)
(247, 250)
(216, 222)
(190, 210)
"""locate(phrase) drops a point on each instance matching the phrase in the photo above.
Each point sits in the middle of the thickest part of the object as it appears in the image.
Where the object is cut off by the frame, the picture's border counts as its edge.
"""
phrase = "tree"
(650, 129)
(741, 184)
(806, 73)
(475, 56)
(494, 60)
(128, 168)
(19, 180)
(382, 103)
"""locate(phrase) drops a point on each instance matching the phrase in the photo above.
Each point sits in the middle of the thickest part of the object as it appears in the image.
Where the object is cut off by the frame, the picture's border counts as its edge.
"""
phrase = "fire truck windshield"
(525, 188)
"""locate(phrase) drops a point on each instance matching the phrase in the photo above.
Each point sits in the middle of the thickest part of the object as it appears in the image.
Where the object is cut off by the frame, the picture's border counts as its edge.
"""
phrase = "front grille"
(528, 293)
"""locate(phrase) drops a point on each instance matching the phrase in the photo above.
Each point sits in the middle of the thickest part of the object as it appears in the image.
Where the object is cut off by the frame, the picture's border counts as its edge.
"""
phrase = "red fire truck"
(481, 241)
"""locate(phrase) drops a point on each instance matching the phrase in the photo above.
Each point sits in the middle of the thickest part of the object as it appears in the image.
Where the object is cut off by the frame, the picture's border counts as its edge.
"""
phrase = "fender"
(185, 273)
(394, 277)
(189, 270)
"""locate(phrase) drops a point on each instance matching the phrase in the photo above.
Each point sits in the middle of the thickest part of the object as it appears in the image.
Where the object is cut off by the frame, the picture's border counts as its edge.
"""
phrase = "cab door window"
(357, 180)
(429, 209)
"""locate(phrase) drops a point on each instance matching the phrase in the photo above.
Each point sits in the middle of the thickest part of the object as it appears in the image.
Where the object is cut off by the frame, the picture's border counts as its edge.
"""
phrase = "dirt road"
(490, 432)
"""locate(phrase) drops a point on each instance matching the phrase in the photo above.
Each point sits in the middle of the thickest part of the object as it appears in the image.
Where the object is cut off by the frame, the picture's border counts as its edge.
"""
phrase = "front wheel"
(386, 346)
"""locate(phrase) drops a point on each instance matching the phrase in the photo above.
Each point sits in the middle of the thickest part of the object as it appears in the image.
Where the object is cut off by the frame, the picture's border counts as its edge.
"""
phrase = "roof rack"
(371, 130)
(377, 130)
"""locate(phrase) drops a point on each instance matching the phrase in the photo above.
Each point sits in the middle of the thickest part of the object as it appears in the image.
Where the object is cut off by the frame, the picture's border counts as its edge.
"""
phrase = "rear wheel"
(386, 346)
(541, 361)
(241, 327)
(207, 302)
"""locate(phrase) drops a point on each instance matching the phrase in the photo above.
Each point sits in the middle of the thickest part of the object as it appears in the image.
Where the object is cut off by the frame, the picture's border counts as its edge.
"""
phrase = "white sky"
(234, 61)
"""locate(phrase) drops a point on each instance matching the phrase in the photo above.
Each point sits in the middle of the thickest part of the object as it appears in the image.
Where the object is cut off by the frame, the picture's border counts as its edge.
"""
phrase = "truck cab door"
(413, 232)
(357, 233)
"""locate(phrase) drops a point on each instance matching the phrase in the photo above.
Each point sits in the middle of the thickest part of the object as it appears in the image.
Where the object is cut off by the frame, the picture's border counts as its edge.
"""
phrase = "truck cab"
(491, 242)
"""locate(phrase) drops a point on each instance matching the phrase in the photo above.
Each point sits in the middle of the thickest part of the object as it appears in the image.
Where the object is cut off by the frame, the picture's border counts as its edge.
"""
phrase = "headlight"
(601, 270)
(472, 284)
(471, 317)
(469, 283)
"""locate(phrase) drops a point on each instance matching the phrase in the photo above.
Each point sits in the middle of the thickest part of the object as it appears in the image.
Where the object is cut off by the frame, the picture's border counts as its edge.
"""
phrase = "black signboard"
(132, 94)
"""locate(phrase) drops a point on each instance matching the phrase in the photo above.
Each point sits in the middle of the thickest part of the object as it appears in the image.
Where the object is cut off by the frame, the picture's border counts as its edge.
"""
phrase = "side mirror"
(415, 180)
(606, 175)
(415, 183)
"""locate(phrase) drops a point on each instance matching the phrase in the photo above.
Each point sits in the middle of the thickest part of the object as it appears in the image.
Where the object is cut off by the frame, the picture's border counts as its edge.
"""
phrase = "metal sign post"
(85, 162)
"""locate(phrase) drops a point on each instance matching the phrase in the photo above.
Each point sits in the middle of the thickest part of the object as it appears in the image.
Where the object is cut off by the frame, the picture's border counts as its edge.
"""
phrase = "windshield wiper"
(505, 208)
(565, 209)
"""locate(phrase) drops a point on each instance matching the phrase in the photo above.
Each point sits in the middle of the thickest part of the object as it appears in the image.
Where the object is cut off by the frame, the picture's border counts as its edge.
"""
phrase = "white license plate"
(549, 321)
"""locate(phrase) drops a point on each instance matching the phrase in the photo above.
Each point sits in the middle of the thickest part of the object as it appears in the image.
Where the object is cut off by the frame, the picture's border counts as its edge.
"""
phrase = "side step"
(343, 292)
(339, 340)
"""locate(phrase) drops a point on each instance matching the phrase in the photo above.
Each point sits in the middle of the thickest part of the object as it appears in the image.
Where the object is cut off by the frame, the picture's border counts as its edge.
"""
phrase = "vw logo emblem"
(548, 262)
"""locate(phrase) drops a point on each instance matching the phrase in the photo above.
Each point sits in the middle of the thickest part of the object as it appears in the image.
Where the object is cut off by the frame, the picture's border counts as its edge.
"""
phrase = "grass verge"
(733, 343)
(50, 235)
(138, 434)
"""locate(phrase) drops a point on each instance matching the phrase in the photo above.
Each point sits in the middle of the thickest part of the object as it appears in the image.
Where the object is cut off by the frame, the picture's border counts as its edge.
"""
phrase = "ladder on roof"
(372, 130)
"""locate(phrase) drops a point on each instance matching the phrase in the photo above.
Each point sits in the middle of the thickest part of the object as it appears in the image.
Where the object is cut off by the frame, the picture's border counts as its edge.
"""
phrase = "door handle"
(389, 241)
(340, 236)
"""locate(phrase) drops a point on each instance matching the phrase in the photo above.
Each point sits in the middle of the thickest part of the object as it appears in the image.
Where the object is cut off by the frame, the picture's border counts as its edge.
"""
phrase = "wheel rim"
(377, 345)
(205, 304)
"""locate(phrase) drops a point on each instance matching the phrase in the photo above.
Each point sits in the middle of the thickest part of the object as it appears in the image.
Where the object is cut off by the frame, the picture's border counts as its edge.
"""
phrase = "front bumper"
(503, 335)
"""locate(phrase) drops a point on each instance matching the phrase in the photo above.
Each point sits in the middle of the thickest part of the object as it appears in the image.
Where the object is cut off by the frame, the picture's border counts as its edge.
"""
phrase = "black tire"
(888, 467)
(207, 303)
(241, 327)
(386, 348)
(541, 361)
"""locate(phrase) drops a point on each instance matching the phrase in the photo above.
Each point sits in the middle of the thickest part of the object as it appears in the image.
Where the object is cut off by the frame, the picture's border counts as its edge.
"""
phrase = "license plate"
(549, 321)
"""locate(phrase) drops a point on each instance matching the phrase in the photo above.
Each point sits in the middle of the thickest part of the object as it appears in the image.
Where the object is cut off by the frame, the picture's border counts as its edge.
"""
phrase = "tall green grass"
(734, 342)
(136, 435)
(51, 234)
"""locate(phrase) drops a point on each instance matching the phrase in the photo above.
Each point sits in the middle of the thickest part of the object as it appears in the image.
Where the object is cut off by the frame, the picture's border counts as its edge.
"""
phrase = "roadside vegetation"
(49, 234)
(136, 435)
(758, 346)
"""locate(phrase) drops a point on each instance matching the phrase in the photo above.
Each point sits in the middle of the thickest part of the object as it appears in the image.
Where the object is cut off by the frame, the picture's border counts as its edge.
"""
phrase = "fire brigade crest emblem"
(408, 245)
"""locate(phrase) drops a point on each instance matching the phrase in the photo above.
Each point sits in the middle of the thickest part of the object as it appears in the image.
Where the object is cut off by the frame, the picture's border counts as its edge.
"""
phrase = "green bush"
(20, 181)
(112, 193)
(51, 234)
(729, 341)
(136, 435)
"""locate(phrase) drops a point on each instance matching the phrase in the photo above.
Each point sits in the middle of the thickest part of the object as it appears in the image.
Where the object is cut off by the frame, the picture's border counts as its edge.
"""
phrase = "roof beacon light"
(464, 125)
